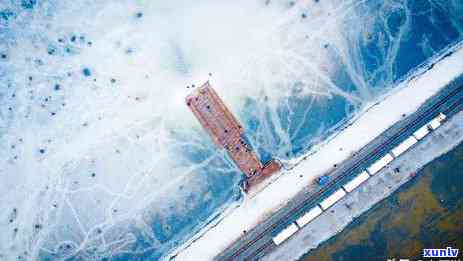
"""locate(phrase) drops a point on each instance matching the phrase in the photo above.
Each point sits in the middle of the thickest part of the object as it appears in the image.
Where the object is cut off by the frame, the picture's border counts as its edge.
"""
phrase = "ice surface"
(439, 142)
(101, 158)
(369, 125)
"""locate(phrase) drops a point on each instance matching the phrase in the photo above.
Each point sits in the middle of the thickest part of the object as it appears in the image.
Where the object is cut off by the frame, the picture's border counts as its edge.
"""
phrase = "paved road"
(257, 242)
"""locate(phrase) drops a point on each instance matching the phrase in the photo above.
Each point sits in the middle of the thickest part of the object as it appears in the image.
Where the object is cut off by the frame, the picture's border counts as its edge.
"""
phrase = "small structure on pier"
(227, 133)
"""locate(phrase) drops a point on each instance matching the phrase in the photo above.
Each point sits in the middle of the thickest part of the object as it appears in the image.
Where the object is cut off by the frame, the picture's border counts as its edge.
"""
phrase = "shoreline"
(430, 78)
(378, 188)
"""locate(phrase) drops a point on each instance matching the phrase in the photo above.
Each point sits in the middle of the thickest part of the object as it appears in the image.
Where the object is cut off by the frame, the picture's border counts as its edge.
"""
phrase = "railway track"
(429, 112)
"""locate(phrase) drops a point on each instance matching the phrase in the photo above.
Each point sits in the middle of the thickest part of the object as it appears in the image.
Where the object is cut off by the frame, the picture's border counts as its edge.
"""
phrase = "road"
(257, 242)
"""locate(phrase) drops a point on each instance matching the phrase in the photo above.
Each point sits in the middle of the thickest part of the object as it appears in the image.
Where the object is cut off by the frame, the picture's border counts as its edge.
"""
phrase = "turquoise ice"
(99, 156)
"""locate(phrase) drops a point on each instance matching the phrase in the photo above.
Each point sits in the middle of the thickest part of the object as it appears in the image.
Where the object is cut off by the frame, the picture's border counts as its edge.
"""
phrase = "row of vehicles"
(355, 182)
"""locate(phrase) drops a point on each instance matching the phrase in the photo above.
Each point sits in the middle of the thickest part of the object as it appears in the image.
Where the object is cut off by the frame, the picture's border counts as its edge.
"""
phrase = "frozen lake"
(100, 157)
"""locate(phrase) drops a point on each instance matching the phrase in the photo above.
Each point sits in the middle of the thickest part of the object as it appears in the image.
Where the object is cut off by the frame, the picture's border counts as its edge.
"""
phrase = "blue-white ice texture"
(99, 156)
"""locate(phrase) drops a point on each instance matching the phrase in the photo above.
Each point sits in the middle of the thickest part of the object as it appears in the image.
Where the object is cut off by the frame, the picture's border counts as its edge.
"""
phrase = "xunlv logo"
(446, 252)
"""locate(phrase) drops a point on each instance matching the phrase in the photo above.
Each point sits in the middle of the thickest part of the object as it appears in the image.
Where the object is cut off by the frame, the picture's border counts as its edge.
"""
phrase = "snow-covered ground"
(378, 187)
(369, 124)
(100, 157)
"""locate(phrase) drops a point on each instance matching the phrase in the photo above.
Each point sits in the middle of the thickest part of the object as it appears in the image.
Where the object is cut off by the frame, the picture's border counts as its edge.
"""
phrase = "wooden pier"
(227, 133)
